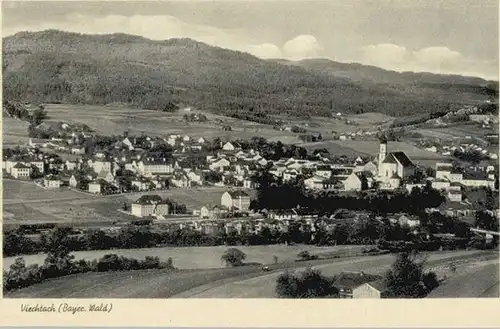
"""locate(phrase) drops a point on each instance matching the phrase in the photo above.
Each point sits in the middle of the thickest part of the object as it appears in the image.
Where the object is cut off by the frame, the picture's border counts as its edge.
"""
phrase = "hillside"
(60, 67)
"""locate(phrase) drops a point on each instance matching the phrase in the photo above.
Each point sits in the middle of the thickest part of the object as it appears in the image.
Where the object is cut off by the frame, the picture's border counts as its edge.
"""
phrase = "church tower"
(382, 153)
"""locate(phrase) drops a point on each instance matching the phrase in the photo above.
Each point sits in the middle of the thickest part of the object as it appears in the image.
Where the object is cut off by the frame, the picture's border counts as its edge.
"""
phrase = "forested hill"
(56, 66)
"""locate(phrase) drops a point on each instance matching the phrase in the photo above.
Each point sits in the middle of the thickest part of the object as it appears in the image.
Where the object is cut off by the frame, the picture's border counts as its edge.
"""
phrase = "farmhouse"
(346, 282)
(239, 200)
(373, 289)
(148, 205)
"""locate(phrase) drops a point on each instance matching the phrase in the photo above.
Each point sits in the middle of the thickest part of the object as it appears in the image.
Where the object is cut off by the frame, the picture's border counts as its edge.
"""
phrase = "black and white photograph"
(343, 149)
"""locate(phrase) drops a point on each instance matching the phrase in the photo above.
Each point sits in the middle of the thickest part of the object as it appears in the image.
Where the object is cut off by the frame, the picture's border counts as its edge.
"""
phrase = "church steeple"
(382, 151)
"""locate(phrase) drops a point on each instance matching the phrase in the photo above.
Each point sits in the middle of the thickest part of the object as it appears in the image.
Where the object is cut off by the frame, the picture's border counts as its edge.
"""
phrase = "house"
(346, 282)
(79, 150)
(454, 196)
(149, 205)
(180, 180)
(214, 212)
(441, 184)
(431, 149)
(151, 166)
(290, 175)
(393, 164)
(324, 171)
(21, 171)
(373, 289)
(358, 181)
(74, 181)
(250, 184)
(107, 176)
(314, 183)
(52, 181)
(219, 165)
(101, 165)
(196, 177)
(228, 147)
(201, 140)
(141, 184)
(404, 220)
(95, 187)
(239, 200)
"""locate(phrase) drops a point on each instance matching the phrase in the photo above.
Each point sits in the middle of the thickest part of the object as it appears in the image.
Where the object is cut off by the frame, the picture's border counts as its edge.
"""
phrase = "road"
(263, 286)
(212, 283)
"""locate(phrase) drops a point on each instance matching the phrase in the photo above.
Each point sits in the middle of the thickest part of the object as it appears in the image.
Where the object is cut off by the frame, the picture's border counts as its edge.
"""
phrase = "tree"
(308, 284)
(38, 116)
(233, 257)
(405, 279)
(275, 259)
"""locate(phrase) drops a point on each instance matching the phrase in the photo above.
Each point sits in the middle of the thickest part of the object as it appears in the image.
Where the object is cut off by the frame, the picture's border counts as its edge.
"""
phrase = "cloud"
(385, 53)
(302, 46)
(430, 59)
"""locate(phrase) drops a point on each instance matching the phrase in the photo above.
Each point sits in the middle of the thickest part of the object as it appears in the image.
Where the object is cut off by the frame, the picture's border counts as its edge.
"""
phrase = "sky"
(445, 36)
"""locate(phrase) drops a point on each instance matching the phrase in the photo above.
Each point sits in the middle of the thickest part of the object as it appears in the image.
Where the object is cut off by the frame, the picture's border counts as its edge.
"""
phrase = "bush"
(305, 255)
(61, 264)
(233, 257)
(308, 284)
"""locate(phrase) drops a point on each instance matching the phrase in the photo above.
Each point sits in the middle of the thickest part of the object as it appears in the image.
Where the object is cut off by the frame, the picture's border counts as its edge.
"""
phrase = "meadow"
(24, 201)
(115, 120)
(371, 148)
(207, 257)
(14, 131)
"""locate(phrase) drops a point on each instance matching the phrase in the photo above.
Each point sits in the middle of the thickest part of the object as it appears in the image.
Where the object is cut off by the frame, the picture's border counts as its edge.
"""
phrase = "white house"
(239, 200)
(101, 165)
(148, 205)
(21, 171)
(95, 187)
(78, 150)
(314, 183)
(219, 165)
(52, 181)
(152, 166)
(228, 147)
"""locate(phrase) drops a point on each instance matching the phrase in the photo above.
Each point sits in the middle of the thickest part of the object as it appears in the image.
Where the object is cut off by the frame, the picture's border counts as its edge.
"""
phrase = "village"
(77, 159)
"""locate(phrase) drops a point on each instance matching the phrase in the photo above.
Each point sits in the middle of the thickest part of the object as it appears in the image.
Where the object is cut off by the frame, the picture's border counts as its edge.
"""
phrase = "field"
(206, 257)
(28, 202)
(15, 190)
(371, 148)
(115, 120)
(243, 282)
(14, 132)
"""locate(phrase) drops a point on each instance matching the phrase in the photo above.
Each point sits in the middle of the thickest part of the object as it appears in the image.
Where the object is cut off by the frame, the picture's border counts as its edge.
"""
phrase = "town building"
(238, 200)
(150, 205)
(21, 171)
(52, 181)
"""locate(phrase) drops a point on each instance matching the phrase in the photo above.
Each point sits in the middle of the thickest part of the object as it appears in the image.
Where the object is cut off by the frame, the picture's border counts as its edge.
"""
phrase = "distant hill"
(56, 66)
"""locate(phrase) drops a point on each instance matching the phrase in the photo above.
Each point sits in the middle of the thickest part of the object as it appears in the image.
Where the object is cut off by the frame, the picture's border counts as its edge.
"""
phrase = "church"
(393, 167)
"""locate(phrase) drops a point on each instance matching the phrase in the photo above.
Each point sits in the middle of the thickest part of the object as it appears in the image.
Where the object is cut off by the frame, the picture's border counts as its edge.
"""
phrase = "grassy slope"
(245, 282)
